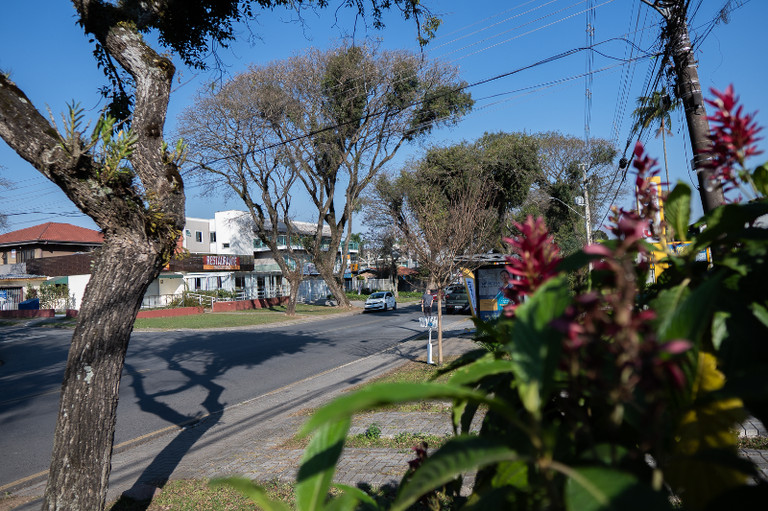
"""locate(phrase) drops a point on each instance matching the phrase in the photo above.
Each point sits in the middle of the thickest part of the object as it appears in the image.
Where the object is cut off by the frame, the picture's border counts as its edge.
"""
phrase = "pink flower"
(534, 262)
(733, 136)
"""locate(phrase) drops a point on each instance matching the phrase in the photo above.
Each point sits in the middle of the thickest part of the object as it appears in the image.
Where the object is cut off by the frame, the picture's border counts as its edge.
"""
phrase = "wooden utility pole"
(688, 89)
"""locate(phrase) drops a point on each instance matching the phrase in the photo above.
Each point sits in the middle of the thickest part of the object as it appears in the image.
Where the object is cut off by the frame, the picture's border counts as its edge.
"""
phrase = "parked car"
(457, 301)
(382, 300)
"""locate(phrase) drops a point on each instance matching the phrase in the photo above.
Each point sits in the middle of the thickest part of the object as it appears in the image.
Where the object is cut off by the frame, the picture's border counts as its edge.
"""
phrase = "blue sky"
(51, 60)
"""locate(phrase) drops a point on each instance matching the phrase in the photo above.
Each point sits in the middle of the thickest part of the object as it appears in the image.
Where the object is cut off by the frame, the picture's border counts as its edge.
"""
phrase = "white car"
(382, 300)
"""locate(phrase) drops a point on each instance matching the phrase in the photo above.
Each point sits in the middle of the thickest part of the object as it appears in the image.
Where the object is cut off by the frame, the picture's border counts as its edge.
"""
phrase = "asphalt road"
(172, 377)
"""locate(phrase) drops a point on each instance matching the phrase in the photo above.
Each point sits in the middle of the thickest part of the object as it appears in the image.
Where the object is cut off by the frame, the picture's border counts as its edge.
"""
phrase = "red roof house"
(47, 240)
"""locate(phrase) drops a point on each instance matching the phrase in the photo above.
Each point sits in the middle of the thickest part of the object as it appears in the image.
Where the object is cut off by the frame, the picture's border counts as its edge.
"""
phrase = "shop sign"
(221, 263)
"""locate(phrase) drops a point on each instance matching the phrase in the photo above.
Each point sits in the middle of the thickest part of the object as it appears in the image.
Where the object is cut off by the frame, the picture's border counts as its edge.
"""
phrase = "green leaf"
(677, 210)
(685, 322)
(462, 361)
(358, 494)
(577, 261)
(346, 502)
(479, 370)
(604, 489)
(392, 393)
(727, 219)
(760, 178)
(457, 456)
(760, 313)
(252, 491)
(719, 328)
(536, 345)
(318, 465)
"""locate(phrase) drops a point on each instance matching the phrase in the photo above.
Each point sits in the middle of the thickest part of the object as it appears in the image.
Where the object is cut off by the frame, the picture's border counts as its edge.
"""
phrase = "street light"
(567, 206)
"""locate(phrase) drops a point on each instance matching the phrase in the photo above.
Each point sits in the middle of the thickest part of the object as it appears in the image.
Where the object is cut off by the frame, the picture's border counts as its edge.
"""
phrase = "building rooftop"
(52, 232)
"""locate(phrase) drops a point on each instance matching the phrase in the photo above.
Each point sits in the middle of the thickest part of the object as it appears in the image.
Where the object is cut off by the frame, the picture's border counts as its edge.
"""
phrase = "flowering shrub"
(622, 397)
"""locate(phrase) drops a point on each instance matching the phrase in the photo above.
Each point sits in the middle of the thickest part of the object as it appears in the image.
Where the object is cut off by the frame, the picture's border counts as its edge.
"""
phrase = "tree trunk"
(439, 327)
(290, 308)
(82, 450)
(326, 271)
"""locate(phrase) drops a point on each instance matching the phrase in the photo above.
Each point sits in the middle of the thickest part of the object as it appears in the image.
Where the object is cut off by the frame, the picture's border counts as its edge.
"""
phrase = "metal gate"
(10, 298)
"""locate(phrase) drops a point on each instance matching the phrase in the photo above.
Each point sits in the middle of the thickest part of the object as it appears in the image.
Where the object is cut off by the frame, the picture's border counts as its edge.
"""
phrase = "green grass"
(402, 441)
(210, 321)
(301, 308)
(197, 495)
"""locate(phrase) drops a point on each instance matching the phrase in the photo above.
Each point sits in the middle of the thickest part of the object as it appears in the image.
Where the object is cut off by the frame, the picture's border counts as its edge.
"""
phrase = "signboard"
(469, 283)
(491, 283)
(221, 263)
(3, 294)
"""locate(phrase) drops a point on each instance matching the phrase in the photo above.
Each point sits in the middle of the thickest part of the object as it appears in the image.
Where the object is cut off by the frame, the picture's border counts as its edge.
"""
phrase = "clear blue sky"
(51, 60)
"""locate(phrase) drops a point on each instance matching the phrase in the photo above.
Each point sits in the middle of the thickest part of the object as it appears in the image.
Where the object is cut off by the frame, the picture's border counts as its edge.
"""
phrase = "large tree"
(564, 160)
(129, 184)
(221, 128)
(336, 117)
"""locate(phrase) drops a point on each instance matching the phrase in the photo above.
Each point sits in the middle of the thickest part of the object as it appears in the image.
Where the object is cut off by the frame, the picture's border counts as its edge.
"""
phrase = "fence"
(311, 290)
(377, 284)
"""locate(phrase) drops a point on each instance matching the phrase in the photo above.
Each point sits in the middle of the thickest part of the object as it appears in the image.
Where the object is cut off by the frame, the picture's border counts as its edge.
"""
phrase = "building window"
(198, 236)
(218, 282)
(213, 237)
(239, 282)
(198, 283)
(189, 233)
(225, 245)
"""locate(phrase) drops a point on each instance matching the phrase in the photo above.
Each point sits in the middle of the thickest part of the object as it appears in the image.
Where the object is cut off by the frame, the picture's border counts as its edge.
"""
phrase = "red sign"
(221, 263)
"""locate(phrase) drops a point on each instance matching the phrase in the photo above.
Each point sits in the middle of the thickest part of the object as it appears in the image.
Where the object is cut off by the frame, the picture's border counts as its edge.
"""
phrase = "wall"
(234, 228)
(190, 243)
(77, 285)
(41, 313)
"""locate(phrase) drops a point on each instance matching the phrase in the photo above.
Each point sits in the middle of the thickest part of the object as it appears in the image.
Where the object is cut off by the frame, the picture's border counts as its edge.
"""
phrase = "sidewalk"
(245, 439)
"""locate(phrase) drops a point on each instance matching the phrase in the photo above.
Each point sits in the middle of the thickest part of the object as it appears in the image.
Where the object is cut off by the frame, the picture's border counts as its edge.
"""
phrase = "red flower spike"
(535, 262)
(733, 136)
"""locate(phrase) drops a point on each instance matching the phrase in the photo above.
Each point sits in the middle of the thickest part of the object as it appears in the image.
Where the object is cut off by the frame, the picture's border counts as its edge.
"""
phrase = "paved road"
(172, 377)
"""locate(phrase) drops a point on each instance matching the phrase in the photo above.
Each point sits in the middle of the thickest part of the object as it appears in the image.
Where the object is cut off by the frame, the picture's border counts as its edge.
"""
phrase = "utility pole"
(587, 215)
(689, 91)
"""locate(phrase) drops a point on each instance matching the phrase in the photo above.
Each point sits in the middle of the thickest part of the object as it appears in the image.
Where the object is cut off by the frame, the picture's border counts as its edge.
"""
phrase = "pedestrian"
(426, 304)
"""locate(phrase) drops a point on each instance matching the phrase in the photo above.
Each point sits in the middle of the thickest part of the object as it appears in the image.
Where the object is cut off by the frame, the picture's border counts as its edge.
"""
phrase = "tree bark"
(140, 225)
(294, 283)
(81, 458)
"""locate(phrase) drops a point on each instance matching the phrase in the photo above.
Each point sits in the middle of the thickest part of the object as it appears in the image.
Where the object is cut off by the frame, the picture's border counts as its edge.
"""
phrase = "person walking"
(426, 304)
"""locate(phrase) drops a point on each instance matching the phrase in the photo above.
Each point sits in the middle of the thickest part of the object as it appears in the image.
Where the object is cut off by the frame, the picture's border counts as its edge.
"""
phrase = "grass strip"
(752, 442)
(197, 495)
(210, 321)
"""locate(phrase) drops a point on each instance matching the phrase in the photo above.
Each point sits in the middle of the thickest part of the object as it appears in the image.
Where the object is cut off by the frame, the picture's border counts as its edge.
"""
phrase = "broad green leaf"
(392, 393)
(666, 303)
(462, 361)
(318, 465)
(760, 313)
(459, 455)
(685, 321)
(609, 489)
(358, 494)
(535, 344)
(346, 502)
(760, 178)
(719, 328)
(252, 491)
(727, 219)
(728, 458)
(677, 210)
(479, 370)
